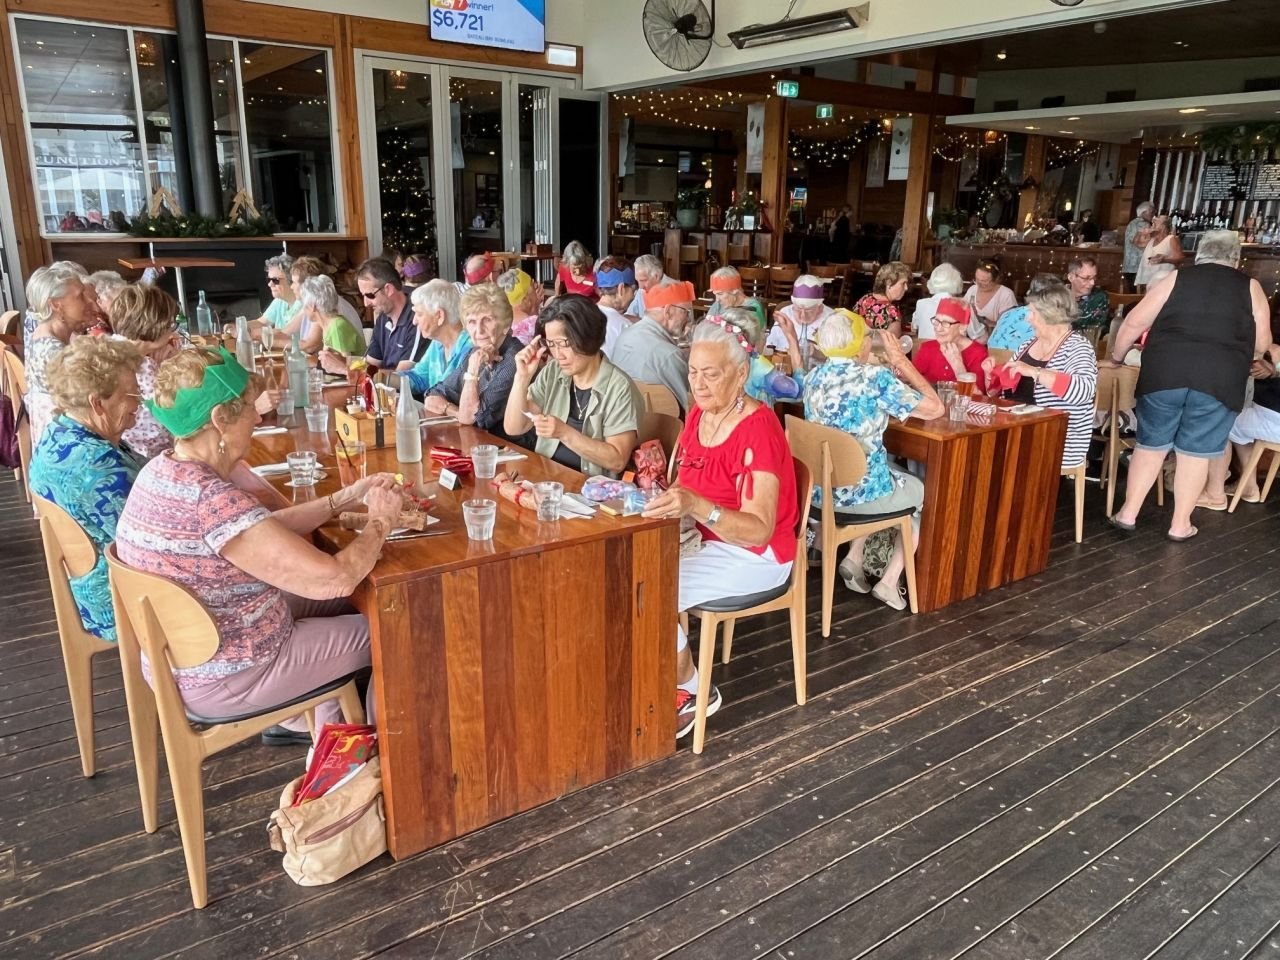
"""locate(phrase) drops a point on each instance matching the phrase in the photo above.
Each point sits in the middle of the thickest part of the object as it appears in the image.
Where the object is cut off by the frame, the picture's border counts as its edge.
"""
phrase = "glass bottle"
(204, 317)
(295, 366)
(408, 427)
(244, 344)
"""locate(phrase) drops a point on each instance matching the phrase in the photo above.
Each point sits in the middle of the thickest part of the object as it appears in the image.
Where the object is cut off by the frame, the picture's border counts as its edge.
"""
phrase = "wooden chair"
(14, 377)
(782, 277)
(836, 459)
(693, 265)
(10, 323)
(835, 288)
(755, 281)
(157, 616)
(739, 253)
(790, 597)
(1077, 475)
(659, 399)
(1116, 386)
(1251, 469)
(69, 553)
(1118, 302)
(666, 429)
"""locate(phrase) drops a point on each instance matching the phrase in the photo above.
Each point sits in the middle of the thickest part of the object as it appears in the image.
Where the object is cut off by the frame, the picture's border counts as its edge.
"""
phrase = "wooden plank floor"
(1082, 765)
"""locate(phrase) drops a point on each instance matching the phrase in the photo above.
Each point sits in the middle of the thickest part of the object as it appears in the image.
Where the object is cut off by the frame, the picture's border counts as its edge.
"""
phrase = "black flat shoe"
(1121, 525)
(279, 736)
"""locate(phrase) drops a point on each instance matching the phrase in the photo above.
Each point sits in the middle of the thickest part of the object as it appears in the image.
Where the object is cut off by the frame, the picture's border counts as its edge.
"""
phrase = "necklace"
(719, 424)
(579, 400)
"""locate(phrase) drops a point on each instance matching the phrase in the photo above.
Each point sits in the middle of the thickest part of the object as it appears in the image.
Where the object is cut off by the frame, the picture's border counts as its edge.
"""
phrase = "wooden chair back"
(739, 253)
(804, 491)
(65, 545)
(661, 427)
(1118, 302)
(10, 323)
(834, 274)
(755, 281)
(13, 379)
(1117, 388)
(170, 624)
(834, 458)
(782, 277)
(15, 374)
(658, 399)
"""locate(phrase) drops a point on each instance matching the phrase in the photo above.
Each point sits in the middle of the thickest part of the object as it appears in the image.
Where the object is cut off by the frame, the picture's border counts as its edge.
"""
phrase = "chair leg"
(1079, 478)
(311, 723)
(1160, 487)
(706, 660)
(799, 646)
(828, 583)
(1113, 462)
(907, 534)
(727, 642)
(188, 798)
(144, 729)
(352, 706)
(1250, 470)
(79, 667)
(1271, 476)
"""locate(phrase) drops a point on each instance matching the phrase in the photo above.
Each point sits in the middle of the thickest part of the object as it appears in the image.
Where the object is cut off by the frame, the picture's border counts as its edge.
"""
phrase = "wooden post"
(915, 225)
(1033, 167)
(773, 178)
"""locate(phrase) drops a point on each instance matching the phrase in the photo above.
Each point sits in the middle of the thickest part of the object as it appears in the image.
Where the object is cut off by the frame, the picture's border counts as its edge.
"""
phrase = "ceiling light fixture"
(1192, 110)
(834, 21)
(1002, 55)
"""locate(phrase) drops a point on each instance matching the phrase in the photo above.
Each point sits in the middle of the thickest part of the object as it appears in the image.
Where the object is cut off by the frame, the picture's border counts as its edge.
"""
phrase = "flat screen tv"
(505, 24)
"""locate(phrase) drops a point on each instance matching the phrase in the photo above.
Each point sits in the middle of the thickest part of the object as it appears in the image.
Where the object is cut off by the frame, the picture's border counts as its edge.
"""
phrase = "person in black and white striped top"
(1057, 369)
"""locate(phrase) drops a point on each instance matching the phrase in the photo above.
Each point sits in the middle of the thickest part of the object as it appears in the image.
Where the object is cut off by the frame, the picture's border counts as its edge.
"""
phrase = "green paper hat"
(193, 406)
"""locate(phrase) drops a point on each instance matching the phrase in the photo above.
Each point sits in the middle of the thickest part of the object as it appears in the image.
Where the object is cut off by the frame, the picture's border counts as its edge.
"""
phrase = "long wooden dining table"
(510, 671)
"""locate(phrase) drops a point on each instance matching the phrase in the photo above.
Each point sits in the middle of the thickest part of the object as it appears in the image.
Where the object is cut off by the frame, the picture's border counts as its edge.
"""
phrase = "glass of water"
(302, 468)
(317, 418)
(549, 493)
(479, 516)
(484, 457)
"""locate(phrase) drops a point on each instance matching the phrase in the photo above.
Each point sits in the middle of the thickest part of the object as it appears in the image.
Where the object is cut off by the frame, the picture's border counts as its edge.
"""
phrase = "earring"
(740, 403)
(222, 448)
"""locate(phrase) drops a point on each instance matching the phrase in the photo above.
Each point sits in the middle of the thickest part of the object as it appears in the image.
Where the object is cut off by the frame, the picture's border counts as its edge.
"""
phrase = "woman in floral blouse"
(879, 308)
(852, 394)
(79, 464)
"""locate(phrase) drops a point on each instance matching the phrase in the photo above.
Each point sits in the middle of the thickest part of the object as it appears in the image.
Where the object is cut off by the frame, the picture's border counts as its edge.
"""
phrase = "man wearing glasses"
(1082, 275)
(648, 350)
(396, 343)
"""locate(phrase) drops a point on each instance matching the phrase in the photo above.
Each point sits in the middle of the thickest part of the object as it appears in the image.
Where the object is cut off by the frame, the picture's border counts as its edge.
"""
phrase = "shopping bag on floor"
(326, 838)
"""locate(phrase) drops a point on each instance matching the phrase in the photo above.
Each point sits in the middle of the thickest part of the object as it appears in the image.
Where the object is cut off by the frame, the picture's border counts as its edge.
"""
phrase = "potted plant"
(947, 222)
(690, 202)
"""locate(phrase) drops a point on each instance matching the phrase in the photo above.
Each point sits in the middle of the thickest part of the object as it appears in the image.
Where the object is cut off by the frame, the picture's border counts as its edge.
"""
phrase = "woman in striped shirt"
(1057, 369)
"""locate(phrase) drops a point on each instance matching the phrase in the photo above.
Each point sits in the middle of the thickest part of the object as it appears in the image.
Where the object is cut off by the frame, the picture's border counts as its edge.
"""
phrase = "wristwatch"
(714, 516)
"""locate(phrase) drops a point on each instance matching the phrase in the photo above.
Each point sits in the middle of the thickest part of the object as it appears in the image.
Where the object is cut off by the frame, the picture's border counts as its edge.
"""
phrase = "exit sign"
(788, 88)
(826, 111)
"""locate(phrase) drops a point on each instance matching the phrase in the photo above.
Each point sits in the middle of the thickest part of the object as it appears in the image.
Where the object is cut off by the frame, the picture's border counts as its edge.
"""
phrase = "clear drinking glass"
(302, 468)
(352, 461)
(284, 408)
(959, 408)
(479, 516)
(484, 457)
(318, 419)
(548, 493)
(315, 387)
(268, 337)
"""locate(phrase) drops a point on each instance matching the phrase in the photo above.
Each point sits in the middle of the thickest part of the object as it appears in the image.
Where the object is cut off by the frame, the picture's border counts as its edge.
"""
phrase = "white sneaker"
(890, 595)
(854, 577)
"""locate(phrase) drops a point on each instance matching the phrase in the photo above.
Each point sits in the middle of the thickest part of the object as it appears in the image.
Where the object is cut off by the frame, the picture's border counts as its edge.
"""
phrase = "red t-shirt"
(933, 366)
(586, 286)
(722, 473)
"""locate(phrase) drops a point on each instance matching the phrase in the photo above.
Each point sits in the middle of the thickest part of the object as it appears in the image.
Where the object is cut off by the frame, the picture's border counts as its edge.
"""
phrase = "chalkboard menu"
(1226, 181)
(1266, 186)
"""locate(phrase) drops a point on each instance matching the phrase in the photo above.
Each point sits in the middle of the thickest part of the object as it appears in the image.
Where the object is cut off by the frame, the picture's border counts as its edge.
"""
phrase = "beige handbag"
(325, 839)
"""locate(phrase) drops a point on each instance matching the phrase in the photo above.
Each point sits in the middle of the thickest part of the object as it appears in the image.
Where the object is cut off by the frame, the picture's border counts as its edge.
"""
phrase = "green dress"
(341, 336)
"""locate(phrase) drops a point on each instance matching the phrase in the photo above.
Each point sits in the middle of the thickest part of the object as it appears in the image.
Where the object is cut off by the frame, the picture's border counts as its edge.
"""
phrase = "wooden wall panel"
(136, 13)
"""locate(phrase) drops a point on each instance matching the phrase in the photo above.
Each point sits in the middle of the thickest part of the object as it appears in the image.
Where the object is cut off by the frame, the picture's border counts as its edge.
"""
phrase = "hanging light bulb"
(399, 80)
(146, 53)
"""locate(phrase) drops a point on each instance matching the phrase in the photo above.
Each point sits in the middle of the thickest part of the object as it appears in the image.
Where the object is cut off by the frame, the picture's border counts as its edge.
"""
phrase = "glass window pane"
(287, 120)
(402, 118)
(79, 90)
(475, 120)
(159, 79)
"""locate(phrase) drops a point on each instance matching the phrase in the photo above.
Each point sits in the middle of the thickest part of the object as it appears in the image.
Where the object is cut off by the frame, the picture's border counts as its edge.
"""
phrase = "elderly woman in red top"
(737, 483)
(952, 352)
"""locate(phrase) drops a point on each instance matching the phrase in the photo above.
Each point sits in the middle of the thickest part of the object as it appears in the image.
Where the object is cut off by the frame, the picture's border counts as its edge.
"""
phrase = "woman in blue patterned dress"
(78, 463)
(852, 394)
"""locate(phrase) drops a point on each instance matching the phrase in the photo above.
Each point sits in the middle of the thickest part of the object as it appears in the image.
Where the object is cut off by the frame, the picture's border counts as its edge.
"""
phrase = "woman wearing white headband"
(804, 314)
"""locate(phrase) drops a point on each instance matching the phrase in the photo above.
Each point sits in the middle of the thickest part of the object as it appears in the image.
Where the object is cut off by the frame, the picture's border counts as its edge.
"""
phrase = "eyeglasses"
(558, 344)
(274, 281)
(370, 296)
(1086, 276)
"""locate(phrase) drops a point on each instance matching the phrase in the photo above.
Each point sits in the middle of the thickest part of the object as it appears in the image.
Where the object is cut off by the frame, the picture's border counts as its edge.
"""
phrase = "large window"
(96, 165)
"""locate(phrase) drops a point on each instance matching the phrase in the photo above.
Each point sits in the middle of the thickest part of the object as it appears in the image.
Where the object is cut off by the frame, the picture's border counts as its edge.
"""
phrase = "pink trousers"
(329, 640)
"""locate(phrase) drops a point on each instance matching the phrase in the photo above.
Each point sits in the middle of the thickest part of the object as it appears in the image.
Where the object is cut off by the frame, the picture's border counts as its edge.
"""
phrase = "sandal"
(1257, 498)
(1204, 504)
(1121, 525)
(1177, 539)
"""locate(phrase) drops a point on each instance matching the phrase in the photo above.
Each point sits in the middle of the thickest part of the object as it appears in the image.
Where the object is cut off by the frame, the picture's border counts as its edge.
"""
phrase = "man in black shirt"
(396, 343)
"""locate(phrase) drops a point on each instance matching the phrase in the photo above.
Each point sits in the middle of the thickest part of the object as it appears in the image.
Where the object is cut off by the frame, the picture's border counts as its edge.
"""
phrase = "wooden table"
(177, 265)
(991, 489)
(509, 672)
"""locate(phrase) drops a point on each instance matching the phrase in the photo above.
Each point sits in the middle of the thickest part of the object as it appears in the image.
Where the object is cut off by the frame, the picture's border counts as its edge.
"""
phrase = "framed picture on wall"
(488, 189)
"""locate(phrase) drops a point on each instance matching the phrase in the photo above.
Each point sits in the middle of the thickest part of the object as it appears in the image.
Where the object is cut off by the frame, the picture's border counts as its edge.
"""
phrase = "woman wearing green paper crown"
(284, 624)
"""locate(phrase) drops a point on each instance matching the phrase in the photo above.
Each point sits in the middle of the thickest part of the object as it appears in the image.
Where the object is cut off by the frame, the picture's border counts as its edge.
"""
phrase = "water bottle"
(295, 366)
(180, 324)
(244, 344)
(408, 429)
(204, 317)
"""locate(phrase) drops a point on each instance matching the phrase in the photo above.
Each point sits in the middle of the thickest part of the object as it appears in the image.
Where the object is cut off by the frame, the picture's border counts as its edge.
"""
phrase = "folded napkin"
(435, 421)
(269, 431)
(271, 469)
(576, 507)
(508, 455)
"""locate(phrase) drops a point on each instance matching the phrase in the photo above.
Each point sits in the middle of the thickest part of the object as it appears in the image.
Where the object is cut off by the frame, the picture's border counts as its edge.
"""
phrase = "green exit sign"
(788, 88)
(826, 111)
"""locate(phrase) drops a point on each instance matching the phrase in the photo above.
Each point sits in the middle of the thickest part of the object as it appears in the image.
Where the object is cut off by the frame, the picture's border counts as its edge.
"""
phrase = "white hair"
(945, 279)
(70, 265)
(714, 333)
(1146, 206)
(648, 264)
(48, 284)
(439, 295)
(106, 283)
(729, 273)
(834, 333)
(575, 252)
(281, 260)
(319, 293)
(1219, 246)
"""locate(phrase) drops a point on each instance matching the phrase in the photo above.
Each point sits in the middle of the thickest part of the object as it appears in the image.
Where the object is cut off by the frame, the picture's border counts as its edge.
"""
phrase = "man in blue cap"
(616, 284)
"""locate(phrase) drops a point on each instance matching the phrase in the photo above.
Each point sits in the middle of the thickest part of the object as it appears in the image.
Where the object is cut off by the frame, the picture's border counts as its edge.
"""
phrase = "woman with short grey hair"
(284, 312)
(106, 284)
(1208, 323)
(319, 299)
(56, 297)
(1057, 368)
(945, 281)
(437, 310)
(574, 274)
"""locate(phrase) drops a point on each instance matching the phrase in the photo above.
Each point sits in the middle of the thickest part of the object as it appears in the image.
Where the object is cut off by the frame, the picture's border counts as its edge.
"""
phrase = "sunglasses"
(371, 296)
(274, 281)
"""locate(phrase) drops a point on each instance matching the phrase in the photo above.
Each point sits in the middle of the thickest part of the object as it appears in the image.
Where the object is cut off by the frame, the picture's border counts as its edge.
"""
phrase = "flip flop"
(1176, 539)
(1121, 525)
(1257, 499)
(1204, 504)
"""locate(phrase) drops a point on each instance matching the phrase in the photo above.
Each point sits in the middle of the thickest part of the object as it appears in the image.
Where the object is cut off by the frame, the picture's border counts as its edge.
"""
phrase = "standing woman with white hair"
(574, 273)
(1208, 323)
(737, 484)
(56, 296)
(1136, 235)
(944, 282)
(437, 310)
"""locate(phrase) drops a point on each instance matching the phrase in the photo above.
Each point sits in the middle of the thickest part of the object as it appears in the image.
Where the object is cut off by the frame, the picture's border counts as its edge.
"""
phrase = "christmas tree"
(408, 212)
